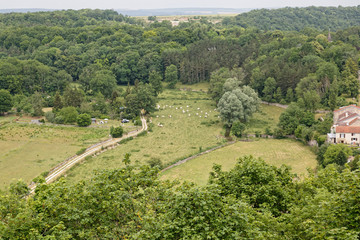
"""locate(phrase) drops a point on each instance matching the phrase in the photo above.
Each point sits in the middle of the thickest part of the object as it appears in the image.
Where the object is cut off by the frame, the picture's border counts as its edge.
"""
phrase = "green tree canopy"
(237, 105)
(83, 120)
(5, 101)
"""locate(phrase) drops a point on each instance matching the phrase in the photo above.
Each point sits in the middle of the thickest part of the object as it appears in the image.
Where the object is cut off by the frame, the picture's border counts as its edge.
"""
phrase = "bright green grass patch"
(266, 117)
(273, 151)
(27, 150)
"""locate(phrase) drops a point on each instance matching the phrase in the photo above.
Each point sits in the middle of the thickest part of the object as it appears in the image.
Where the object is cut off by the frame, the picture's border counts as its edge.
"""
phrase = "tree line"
(296, 19)
(251, 201)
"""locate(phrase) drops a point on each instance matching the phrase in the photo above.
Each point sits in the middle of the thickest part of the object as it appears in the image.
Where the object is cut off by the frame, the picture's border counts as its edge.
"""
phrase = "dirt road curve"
(62, 168)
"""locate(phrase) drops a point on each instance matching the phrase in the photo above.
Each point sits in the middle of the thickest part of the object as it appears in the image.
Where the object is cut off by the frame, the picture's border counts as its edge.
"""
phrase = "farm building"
(346, 128)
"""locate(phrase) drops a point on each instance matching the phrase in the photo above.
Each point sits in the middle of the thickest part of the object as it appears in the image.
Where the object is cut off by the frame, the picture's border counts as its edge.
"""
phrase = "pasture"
(273, 151)
(185, 123)
(27, 150)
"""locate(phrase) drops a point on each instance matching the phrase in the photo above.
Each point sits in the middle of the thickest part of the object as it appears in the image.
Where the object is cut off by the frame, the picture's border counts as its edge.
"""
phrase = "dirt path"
(61, 168)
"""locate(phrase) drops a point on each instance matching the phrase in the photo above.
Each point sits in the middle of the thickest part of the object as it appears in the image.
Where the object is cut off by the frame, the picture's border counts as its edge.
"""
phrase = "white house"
(346, 128)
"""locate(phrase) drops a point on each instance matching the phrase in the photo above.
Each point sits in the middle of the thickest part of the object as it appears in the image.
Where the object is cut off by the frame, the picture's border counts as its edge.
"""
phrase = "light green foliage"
(311, 100)
(155, 82)
(68, 114)
(50, 116)
(141, 97)
(269, 89)
(252, 201)
(37, 104)
(99, 104)
(171, 76)
(231, 84)
(58, 104)
(73, 97)
(220, 76)
(238, 105)
(252, 180)
(278, 95)
(116, 132)
(22, 103)
(238, 128)
(289, 95)
(337, 153)
(83, 120)
(103, 81)
(5, 101)
(293, 116)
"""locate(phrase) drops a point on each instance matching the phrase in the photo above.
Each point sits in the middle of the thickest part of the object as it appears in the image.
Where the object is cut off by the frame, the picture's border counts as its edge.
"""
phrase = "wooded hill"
(295, 19)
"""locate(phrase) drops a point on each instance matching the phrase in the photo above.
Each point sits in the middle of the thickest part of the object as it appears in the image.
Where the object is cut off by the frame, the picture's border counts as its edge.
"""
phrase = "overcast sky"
(150, 4)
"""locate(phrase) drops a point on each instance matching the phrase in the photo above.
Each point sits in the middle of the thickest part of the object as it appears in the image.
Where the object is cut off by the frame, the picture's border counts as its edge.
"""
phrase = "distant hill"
(320, 18)
(182, 11)
(26, 10)
(151, 12)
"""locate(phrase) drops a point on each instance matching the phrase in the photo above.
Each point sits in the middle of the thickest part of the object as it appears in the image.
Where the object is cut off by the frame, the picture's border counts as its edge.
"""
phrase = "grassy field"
(274, 152)
(178, 136)
(27, 150)
(266, 117)
(185, 123)
(177, 132)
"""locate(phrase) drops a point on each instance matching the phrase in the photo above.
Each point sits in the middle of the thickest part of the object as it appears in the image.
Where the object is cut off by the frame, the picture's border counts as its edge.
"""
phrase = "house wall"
(347, 139)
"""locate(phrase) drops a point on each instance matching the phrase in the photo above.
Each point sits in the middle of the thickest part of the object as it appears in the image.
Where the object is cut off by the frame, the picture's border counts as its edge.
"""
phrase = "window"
(353, 139)
(342, 135)
(352, 134)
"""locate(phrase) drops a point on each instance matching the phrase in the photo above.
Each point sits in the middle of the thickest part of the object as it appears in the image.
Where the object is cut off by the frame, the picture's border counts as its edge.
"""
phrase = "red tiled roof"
(351, 115)
(353, 105)
(347, 129)
(354, 120)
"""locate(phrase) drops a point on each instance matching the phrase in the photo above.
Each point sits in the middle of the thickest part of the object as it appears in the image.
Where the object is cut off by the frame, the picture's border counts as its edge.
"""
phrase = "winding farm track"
(61, 168)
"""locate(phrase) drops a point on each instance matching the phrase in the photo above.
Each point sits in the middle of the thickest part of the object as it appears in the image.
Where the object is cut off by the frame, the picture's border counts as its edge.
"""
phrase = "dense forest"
(76, 61)
(296, 19)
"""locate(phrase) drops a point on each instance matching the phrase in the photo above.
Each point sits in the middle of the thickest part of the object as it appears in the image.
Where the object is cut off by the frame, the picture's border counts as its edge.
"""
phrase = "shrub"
(83, 120)
(321, 139)
(69, 114)
(155, 162)
(59, 119)
(81, 151)
(116, 132)
(338, 154)
(268, 131)
(238, 128)
(278, 133)
(137, 121)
